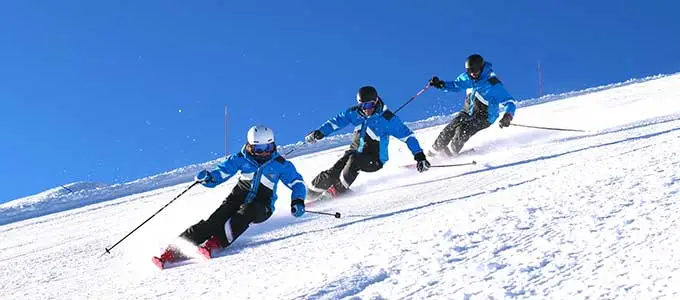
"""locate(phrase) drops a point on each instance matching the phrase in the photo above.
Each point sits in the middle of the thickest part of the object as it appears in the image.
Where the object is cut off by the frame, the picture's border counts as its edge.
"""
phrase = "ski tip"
(158, 262)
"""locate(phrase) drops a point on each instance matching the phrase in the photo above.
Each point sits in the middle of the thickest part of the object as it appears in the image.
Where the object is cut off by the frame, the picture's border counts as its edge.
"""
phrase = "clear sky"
(112, 91)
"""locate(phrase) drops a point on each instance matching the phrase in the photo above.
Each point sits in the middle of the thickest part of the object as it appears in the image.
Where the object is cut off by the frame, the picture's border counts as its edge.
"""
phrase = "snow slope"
(543, 215)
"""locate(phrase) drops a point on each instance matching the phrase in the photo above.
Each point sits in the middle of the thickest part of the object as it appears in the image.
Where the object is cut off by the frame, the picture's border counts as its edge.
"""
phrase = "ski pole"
(547, 128)
(108, 250)
(454, 165)
(413, 98)
(336, 214)
(69, 190)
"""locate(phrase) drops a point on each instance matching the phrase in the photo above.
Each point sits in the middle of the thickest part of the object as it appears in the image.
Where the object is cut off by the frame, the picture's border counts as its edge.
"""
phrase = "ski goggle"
(368, 105)
(262, 148)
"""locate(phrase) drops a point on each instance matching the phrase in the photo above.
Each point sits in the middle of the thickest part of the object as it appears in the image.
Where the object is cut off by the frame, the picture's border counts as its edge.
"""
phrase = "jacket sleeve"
(460, 83)
(225, 170)
(504, 98)
(336, 123)
(404, 134)
(293, 180)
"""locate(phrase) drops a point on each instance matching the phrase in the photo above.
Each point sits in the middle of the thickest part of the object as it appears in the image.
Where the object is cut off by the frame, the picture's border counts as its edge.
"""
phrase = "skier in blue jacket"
(368, 151)
(484, 94)
(250, 201)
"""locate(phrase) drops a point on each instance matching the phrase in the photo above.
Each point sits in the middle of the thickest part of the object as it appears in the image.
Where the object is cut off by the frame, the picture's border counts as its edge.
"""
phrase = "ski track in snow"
(543, 215)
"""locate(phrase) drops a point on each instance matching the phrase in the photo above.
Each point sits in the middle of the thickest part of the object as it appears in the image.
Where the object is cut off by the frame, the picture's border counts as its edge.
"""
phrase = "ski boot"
(314, 194)
(212, 244)
(333, 193)
(444, 152)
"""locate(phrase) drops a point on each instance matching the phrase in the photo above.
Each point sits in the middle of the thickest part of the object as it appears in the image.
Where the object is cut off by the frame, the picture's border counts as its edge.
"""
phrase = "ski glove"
(203, 176)
(297, 208)
(505, 121)
(436, 82)
(313, 136)
(422, 165)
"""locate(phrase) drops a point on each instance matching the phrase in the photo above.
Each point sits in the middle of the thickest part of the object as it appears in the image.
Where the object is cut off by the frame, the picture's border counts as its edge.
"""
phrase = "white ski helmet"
(260, 135)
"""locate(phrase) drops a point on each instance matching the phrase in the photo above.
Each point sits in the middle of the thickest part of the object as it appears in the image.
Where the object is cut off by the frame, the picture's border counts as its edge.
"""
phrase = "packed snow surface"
(542, 215)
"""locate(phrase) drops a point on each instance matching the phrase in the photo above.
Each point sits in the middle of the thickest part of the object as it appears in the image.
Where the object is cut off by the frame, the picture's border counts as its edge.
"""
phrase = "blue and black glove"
(297, 208)
(505, 121)
(422, 165)
(205, 178)
(436, 82)
(313, 136)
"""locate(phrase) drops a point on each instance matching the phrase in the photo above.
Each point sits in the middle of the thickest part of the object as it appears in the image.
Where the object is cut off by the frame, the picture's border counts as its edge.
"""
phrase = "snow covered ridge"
(85, 193)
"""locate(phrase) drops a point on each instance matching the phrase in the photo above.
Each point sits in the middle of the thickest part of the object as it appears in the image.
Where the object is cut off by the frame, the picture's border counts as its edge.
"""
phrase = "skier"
(250, 201)
(484, 94)
(368, 151)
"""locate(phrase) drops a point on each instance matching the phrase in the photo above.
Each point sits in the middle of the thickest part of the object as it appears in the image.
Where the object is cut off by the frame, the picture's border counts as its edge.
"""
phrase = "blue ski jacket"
(371, 133)
(483, 96)
(259, 180)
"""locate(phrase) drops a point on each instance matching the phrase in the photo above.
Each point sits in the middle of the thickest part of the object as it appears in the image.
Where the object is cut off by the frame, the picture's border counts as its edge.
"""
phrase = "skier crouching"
(369, 149)
(484, 95)
(250, 201)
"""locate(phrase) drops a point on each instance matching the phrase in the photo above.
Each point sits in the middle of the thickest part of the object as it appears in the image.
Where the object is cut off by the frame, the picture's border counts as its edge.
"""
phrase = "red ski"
(158, 262)
(172, 255)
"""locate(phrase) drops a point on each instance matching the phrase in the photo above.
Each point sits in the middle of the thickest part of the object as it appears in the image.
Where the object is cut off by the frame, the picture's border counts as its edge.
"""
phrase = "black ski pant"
(459, 130)
(343, 173)
(229, 220)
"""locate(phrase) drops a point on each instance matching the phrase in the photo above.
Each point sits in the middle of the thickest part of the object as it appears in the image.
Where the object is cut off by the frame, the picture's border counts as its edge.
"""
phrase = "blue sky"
(111, 91)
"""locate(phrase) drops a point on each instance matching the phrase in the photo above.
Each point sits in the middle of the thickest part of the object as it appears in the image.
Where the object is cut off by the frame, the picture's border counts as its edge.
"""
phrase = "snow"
(543, 215)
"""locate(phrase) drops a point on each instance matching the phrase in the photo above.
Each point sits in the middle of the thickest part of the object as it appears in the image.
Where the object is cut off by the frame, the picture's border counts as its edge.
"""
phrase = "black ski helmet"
(474, 64)
(366, 94)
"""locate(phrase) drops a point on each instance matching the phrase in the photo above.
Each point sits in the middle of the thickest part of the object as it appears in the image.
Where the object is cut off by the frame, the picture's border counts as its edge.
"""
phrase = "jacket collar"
(487, 72)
